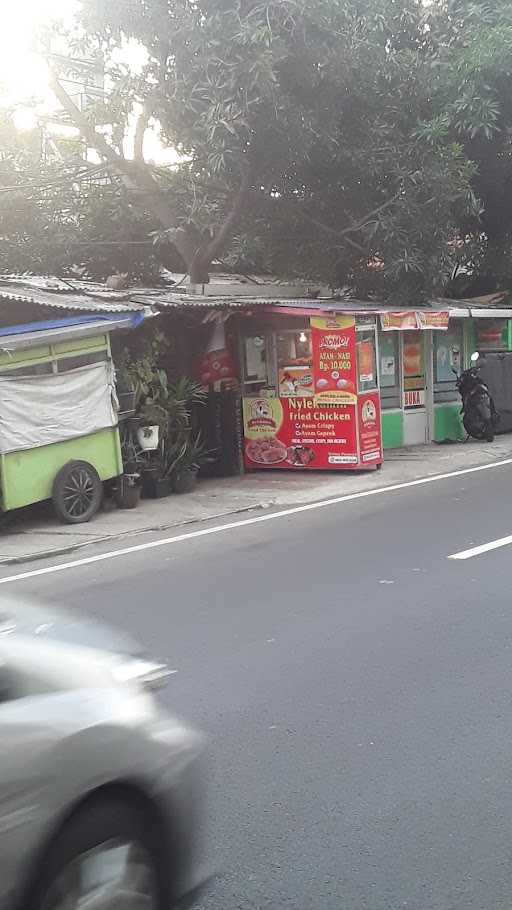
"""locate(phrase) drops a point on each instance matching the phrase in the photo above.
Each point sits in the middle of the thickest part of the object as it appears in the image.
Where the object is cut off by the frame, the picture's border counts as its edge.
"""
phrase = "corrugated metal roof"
(169, 300)
(71, 299)
(91, 297)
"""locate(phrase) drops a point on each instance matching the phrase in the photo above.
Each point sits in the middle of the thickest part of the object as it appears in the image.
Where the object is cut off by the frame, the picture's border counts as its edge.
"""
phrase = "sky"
(21, 72)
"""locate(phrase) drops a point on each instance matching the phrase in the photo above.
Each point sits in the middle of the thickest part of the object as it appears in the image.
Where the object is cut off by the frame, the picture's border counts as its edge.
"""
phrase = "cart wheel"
(77, 492)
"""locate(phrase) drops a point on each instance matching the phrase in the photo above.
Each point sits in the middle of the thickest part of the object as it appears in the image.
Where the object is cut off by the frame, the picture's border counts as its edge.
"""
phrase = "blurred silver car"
(98, 786)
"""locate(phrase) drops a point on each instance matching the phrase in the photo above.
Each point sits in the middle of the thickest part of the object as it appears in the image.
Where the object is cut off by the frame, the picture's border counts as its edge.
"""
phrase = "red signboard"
(299, 433)
(370, 443)
(320, 420)
(333, 341)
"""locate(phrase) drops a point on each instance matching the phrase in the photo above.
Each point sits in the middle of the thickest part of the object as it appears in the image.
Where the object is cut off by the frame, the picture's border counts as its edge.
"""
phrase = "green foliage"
(57, 217)
(182, 448)
(367, 146)
(326, 105)
(186, 452)
(168, 405)
(471, 94)
(145, 376)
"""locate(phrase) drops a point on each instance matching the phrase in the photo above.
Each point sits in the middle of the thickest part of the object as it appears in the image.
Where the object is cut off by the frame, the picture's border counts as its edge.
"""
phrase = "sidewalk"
(35, 532)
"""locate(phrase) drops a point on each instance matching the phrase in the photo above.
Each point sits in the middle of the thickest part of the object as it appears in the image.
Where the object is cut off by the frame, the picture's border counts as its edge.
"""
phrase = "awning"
(391, 320)
(415, 319)
(32, 334)
(324, 305)
(494, 313)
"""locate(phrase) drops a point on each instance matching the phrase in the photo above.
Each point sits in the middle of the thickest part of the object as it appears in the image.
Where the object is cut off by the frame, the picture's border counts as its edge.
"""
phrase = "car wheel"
(105, 858)
(77, 492)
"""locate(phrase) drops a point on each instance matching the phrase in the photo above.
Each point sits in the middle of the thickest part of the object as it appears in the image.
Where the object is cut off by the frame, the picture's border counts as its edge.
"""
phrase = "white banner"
(40, 410)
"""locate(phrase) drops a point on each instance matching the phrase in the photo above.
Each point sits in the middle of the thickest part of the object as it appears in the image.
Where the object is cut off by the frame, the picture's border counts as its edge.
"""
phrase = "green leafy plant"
(149, 381)
(195, 455)
(187, 452)
(301, 130)
(168, 405)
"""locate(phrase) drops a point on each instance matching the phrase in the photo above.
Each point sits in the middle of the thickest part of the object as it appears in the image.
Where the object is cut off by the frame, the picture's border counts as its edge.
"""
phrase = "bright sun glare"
(22, 72)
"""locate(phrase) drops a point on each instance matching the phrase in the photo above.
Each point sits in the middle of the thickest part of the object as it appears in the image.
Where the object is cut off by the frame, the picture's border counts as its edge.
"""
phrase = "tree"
(297, 124)
(472, 104)
(61, 216)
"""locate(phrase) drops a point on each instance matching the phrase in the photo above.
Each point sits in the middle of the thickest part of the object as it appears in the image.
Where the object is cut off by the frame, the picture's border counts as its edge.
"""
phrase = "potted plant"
(142, 390)
(126, 391)
(192, 456)
(173, 410)
(128, 491)
(148, 437)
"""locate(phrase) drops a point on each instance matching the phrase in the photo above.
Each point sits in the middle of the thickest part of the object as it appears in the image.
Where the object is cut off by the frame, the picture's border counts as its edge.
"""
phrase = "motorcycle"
(479, 414)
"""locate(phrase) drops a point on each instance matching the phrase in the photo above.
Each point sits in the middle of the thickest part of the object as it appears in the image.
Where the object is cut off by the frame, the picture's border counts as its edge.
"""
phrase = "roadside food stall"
(404, 362)
(310, 394)
(59, 434)
(401, 361)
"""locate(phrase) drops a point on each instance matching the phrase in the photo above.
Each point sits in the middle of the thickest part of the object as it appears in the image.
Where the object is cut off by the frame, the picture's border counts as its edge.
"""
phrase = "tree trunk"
(198, 253)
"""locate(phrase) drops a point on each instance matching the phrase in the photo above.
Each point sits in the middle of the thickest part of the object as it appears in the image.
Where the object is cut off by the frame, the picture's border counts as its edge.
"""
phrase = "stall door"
(415, 392)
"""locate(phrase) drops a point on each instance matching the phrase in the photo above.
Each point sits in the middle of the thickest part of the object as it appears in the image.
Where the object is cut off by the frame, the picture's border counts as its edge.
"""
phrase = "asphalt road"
(357, 686)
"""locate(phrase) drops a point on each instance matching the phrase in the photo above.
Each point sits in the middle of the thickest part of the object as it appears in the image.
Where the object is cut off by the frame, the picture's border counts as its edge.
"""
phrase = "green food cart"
(59, 435)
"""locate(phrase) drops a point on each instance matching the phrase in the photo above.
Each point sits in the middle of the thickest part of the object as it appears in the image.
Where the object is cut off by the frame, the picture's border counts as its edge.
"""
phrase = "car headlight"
(146, 673)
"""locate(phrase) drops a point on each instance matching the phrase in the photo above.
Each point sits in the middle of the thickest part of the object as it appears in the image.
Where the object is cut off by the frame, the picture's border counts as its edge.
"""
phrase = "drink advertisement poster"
(333, 340)
(299, 433)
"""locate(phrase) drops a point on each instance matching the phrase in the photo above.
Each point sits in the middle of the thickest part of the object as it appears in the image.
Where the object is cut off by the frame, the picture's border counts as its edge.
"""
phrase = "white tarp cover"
(39, 410)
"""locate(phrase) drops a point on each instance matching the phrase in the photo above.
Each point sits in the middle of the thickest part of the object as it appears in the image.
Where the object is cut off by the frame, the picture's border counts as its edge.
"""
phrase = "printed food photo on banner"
(298, 433)
(295, 381)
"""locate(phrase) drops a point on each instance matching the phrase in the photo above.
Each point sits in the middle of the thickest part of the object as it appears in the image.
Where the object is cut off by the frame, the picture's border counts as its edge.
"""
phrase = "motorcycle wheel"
(474, 428)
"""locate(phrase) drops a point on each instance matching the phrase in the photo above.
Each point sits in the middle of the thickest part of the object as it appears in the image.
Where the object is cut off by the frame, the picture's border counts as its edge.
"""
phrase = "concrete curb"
(269, 502)
(153, 529)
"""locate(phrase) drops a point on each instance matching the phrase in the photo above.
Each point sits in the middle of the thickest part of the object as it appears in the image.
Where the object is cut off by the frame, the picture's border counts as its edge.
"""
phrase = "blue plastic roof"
(48, 325)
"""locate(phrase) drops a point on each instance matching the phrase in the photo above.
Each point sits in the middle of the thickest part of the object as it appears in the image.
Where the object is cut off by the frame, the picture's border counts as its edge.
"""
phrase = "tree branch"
(334, 233)
(353, 228)
(224, 233)
(136, 175)
(138, 178)
(140, 132)
(360, 224)
(87, 131)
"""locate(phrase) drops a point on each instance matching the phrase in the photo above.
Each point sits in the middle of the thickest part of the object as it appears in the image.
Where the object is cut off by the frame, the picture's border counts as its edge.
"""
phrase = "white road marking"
(244, 522)
(483, 548)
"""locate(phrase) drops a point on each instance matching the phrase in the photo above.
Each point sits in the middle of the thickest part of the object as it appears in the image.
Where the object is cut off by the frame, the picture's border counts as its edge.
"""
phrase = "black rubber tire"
(59, 492)
(95, 824)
